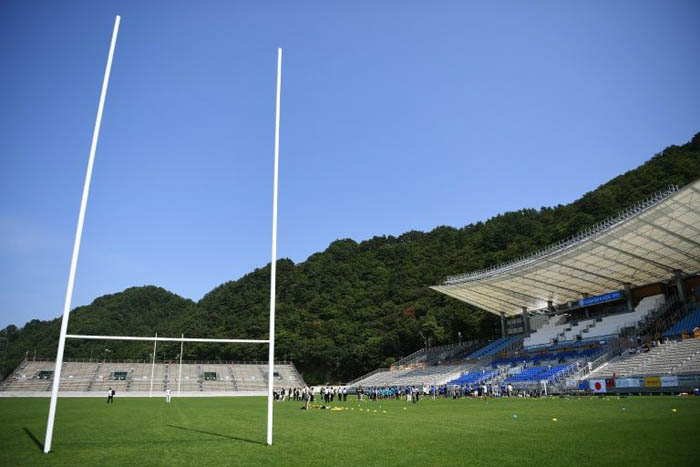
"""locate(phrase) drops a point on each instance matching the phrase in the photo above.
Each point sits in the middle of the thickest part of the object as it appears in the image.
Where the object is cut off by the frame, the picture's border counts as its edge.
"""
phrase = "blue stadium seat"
(687, 323)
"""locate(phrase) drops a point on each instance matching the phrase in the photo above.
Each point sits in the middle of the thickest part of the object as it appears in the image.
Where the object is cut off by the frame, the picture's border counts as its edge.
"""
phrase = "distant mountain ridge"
(354, 306)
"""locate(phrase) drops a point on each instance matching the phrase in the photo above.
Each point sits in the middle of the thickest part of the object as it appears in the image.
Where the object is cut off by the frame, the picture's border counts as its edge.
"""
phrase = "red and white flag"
(597, 385)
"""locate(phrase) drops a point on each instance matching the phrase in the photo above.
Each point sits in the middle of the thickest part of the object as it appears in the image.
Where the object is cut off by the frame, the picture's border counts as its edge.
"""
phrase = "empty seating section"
(552, 357)
(546, 333)
(671, 358)
(74, 376)
(134, 377)
(540, 373)
(451, 352)
(475, 377)
(558, 328)
(685, 324)
(250, 377)
(29, 377)
(216, 378)
(494, 347)
(412, 377)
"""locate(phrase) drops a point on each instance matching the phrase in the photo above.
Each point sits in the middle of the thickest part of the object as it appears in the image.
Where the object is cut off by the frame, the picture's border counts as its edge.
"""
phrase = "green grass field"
(637, 431)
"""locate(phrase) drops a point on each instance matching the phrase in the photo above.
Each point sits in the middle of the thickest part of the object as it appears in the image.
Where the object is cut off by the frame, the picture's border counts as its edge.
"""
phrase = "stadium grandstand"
(139, 378)
(619, 299)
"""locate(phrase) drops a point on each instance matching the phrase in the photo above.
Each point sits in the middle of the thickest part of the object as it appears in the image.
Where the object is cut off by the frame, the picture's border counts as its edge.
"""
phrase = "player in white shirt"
(167, 395)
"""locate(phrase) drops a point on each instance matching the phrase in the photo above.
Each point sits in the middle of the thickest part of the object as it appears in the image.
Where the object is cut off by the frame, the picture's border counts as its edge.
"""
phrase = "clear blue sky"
(400, 116)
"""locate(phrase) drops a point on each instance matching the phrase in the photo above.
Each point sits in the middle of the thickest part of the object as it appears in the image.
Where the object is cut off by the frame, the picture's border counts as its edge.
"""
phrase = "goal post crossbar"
(169, 339)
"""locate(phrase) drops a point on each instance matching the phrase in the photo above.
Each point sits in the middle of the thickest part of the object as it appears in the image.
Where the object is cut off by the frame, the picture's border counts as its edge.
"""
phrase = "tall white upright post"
(273, 264)
(153, 365)
(76, 244)
(179, 375)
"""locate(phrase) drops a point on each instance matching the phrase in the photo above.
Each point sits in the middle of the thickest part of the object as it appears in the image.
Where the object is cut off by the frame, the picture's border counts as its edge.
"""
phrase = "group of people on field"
(292, 394)
(414, 393)
(328, 394)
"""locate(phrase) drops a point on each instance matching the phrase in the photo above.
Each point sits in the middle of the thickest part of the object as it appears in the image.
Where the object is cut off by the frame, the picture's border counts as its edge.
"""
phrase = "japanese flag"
(597, 385)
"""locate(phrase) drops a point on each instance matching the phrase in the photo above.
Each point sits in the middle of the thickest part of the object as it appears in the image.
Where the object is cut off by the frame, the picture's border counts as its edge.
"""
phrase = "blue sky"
(395, 116)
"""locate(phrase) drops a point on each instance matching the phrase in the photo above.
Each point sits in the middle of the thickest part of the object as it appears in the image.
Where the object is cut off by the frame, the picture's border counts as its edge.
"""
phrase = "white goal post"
(76, 250)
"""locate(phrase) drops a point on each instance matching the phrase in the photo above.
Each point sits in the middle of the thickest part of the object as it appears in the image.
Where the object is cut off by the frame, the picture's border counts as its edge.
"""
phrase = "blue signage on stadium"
(600, 298)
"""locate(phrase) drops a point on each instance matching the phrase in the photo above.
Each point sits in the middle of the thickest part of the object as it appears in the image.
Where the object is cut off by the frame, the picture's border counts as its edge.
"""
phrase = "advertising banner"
(628, 382)
(652, 382)
(669, 381)
(600, 298)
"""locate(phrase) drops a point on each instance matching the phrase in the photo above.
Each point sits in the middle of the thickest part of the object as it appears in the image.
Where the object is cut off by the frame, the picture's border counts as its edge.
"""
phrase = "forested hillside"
(354, 306)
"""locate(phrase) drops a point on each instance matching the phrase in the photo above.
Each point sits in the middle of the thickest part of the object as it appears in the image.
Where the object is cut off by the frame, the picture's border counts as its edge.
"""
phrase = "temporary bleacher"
(559, 329)
(671, 358)
(686, 324)
(141, 377)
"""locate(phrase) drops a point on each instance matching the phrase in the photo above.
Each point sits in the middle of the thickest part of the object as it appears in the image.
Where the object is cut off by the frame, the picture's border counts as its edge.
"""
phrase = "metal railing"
(410, 357)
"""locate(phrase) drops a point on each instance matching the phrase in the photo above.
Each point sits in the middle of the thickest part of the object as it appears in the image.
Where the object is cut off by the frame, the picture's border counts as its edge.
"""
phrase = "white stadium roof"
(644, 244)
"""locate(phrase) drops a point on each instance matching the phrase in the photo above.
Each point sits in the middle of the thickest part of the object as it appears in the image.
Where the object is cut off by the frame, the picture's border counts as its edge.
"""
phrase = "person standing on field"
(167, 395)
(110, 396)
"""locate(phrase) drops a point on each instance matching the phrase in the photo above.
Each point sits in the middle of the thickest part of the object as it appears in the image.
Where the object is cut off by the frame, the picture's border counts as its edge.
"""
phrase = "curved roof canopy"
(644, 244)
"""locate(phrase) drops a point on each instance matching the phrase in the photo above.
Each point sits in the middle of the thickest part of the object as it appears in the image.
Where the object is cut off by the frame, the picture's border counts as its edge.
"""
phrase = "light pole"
(105, 357)
(459, 335)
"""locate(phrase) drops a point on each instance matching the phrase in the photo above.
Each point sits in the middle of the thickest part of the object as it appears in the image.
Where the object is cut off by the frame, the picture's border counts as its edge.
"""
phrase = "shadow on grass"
(235, 438)
(38, 443)
(89, 444)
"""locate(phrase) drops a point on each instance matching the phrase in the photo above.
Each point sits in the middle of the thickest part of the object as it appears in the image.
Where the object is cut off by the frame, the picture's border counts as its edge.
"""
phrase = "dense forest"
(355, 306)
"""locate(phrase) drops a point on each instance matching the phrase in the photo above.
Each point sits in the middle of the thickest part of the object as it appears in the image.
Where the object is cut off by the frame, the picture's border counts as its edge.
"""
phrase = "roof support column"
(679, 286)
(503, 325)
(628, 294)
(526, 322)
